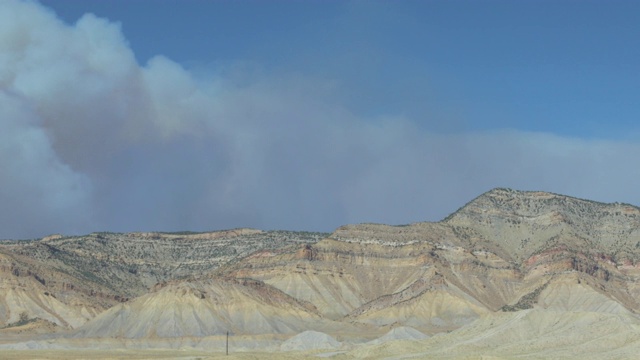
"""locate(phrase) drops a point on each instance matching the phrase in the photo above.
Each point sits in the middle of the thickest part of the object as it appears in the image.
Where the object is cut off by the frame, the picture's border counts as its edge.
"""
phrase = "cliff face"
(522, 224)
(505, 251)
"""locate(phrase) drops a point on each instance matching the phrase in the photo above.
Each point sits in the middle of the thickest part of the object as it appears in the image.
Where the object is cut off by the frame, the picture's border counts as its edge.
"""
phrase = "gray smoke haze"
(90, 140)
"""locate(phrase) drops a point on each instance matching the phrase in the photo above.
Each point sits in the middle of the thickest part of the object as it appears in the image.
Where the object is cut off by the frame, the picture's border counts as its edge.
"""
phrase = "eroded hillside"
(504, 252)
(68, 280)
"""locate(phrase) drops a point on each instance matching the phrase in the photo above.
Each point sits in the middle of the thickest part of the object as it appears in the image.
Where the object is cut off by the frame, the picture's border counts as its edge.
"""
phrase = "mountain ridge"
(504, 251)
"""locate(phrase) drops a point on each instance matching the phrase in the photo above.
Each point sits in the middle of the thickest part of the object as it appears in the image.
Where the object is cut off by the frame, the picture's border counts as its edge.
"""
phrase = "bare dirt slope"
(510, 274)
(69, 280)
(205, 308)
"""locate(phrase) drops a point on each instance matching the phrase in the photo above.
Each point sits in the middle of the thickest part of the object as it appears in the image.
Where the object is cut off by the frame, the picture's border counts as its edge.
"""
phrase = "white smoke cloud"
(90, 140)
(38, 191)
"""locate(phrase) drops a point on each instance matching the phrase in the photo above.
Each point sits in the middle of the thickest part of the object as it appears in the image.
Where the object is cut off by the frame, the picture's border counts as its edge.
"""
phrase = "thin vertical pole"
(227, 343)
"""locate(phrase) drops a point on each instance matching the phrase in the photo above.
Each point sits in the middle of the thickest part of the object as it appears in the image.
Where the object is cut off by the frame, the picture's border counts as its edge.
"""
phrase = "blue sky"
(565, 67)
(199, 115)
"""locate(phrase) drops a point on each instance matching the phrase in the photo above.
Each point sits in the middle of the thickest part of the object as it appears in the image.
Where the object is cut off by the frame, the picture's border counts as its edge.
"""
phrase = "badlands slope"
(69, 280)
(510, 274)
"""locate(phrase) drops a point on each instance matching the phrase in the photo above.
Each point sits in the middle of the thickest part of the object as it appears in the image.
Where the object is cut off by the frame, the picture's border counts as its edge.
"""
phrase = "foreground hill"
(68, 280)
(197, 309)
(509, 260)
